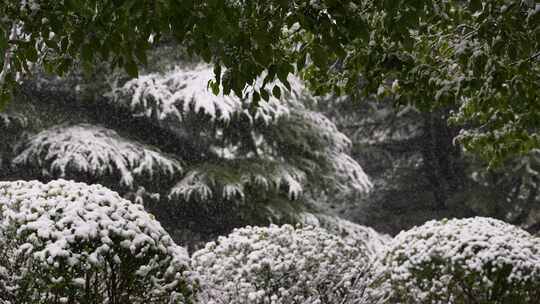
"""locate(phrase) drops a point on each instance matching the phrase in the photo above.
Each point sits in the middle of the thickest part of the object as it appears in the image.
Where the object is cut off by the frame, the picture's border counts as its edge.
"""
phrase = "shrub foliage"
(460, 261)
(66, 242)
(278, 265)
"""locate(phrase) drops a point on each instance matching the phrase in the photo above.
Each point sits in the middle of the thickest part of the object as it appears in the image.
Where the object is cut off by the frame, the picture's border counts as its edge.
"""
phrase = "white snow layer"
(182, 91)
(274, 265)
(77, 227)
(202, 185)
(354, 234)
(93, 150)
(441, 261)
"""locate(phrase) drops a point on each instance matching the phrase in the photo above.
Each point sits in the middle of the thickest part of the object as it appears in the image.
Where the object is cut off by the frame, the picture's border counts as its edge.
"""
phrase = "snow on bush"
(354, 234)
(67, 242)
(278, 265)
(475, 260)
(87, 150)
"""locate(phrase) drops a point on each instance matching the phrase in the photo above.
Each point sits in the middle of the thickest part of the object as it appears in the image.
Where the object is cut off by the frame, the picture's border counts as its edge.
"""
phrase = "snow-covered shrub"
(6, 294)
(67, 242)
(475, 260)
(278, 265)
(354, 234)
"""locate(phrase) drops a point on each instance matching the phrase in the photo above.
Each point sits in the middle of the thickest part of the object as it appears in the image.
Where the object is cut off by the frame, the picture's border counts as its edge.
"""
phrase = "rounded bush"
(475, 260)
(278, 265)
(67, 242)
(354, 234)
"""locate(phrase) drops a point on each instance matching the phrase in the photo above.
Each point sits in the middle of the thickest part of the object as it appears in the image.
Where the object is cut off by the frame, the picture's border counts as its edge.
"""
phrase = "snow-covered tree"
(196, 159)
(289, 144)
(255, 265)
(474, 260)
(67, 242)
(419, 172)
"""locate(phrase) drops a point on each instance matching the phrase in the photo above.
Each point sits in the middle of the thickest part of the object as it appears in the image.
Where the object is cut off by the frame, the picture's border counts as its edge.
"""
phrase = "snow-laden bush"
(458, 261)
(278, 265)
(67, 242)
(354, 234)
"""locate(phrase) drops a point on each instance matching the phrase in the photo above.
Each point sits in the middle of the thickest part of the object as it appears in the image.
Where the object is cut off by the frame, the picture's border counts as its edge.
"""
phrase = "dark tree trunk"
(442, 159)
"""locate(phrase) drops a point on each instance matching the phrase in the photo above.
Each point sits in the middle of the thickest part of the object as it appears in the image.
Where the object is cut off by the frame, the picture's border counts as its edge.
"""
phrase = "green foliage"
(477, 59)
(480, 57)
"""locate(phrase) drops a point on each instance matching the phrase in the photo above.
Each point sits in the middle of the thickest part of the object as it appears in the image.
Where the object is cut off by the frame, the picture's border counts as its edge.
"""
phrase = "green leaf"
(301, 62)
(276, 91)
(283, 71)
(320, 57)
(217, 73)
(31, 54)
(255, 97)
(475, 5)
(264, 94)
(3, 40)
(214, 86)
(131, 68)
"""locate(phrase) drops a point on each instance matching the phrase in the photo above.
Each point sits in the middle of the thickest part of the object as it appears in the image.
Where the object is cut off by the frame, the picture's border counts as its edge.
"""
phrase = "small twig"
(533, 57)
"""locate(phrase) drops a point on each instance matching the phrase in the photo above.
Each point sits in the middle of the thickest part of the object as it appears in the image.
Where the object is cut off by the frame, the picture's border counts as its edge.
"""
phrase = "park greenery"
(478, 58)
(292, 152)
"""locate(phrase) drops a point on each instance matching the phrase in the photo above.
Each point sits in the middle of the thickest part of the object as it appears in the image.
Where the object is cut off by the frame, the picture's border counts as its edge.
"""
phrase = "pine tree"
(203, 163)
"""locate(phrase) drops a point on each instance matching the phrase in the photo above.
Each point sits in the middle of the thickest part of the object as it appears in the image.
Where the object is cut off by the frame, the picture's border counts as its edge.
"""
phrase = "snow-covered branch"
(64, 151)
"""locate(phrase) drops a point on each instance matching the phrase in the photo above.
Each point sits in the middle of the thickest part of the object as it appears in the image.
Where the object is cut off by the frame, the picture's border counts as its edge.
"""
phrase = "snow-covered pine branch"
(96, 152)
(68, 242)
(349, 175)
(184, 91)
(9, 121)
(311, 142)
(230, 179)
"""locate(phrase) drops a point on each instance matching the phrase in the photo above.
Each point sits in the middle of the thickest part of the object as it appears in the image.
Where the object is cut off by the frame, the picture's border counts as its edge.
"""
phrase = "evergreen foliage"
(99, 153)
(209, 162)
